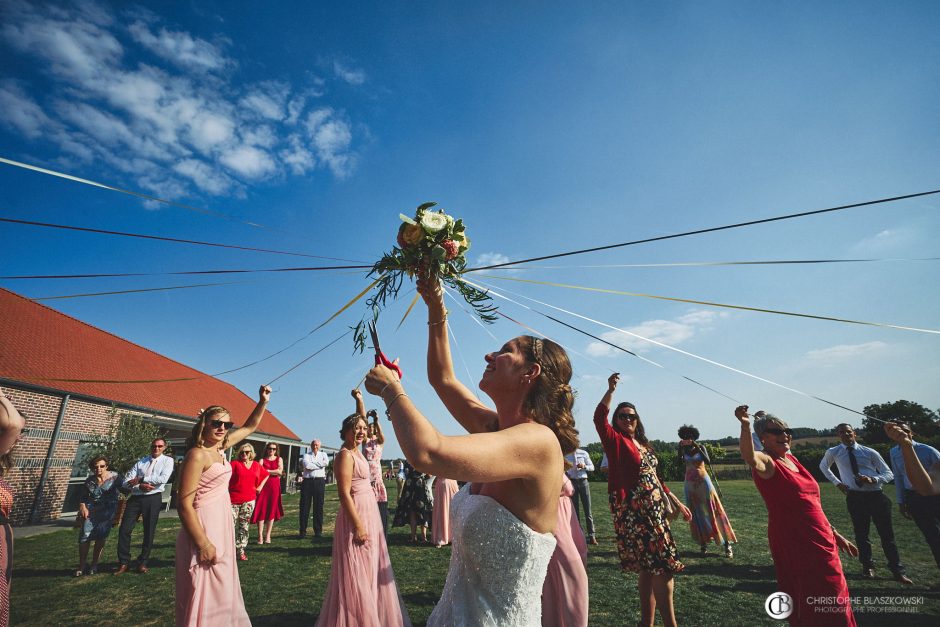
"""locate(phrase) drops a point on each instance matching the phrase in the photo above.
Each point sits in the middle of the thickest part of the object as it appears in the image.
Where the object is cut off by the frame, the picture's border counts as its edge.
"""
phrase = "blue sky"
(547, 127)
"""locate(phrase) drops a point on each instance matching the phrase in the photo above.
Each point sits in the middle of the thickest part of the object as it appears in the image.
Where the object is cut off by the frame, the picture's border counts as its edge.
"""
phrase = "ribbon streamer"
(713, 229)
(151, 289)
(309, 357)
(712, 304)
(172, 203)
(164, 239)
(615, 346)
(408, 311)
(698, 264)
(694, 356)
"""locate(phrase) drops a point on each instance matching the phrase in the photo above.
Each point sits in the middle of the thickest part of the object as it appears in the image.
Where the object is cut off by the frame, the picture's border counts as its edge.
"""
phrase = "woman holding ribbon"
(804, 545)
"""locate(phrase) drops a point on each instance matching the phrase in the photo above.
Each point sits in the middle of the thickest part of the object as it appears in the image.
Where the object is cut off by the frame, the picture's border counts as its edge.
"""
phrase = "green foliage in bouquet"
(430, 244)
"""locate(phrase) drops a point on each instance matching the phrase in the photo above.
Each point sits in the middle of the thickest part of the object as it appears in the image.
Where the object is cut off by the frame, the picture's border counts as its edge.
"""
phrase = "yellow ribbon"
(711, 304)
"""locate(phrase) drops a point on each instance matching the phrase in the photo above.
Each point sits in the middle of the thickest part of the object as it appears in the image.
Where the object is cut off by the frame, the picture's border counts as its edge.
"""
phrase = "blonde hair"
(196, 436)
(550, 398)
(247, 447)
(761, 424)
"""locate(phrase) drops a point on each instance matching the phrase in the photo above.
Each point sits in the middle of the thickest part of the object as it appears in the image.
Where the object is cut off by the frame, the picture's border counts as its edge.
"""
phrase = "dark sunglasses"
(215, 424)
(777, 431)
(627, 416)
(101, 466)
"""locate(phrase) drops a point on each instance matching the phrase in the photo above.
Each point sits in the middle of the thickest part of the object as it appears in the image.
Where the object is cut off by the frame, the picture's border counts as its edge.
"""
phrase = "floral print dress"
(644, 540)
(415, 497)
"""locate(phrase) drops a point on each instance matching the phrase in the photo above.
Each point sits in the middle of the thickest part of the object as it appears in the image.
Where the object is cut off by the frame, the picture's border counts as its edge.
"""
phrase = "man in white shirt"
(313, 488)
(863, 472)
(581, 465)
(147, 480)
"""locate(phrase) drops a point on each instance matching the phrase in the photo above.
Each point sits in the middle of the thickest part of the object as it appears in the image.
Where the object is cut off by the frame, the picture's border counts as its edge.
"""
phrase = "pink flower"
(451, 247)
(409, 235)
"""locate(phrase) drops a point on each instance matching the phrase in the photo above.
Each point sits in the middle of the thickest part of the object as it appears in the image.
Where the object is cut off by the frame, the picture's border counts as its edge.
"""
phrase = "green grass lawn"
(283, 583)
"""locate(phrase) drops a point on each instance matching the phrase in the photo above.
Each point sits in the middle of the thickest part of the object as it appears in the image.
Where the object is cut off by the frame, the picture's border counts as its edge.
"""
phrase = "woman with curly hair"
(513, 459)
(709, 521)
(638, 504)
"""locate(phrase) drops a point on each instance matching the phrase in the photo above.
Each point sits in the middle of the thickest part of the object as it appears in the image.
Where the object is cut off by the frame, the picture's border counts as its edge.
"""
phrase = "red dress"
(268, 504)
(804, 549)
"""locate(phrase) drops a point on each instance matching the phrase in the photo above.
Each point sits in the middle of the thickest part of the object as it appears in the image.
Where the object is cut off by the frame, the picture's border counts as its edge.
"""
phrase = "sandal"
(78, 573)
(92, 571)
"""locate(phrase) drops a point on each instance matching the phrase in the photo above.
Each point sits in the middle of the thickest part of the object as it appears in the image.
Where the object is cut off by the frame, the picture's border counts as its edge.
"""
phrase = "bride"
(503, 520)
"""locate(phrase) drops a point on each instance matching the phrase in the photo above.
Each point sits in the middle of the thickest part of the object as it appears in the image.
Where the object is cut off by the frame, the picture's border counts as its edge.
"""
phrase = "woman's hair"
(247, 447)
(761, 424)
(639, 433)
(349, 423)
(688, 432)
(550, 398)
(94, 461)
(195, 437)
(277, 447)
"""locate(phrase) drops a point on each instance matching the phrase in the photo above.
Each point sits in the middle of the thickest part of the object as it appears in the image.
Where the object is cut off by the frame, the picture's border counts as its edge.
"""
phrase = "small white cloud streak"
(842, 353)
(348, 74)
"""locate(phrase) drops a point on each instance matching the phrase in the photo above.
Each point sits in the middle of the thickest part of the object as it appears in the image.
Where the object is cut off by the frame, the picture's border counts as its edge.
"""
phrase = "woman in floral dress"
(637, 502)
(415, 505)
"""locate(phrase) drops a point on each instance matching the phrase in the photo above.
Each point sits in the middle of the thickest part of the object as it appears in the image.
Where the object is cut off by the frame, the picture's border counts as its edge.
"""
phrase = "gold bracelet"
(388, 409)
(441, 321)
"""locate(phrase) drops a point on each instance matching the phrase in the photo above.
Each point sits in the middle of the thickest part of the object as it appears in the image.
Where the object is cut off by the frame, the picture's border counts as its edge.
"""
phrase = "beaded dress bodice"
(497, 567)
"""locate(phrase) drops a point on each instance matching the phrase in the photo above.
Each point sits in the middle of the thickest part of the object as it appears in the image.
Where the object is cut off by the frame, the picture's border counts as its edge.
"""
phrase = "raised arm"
(463, 404)
(921, 481)
(12, 424)
(239, 434)
(379, 435)
(360, 405)
(758, 460)
(525, 451)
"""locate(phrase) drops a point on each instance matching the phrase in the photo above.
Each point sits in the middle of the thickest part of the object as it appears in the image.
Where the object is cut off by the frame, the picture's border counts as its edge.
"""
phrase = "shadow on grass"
(285, 618)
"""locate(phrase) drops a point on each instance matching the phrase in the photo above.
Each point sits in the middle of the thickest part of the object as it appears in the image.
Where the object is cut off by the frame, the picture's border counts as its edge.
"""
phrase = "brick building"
(73, 381)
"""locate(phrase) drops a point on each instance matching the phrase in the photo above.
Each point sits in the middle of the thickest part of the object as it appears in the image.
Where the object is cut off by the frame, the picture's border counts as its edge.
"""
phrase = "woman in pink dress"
(268, 507)
(804, 545)
(372, 451)
(444, 491)
(12, 424)
(361, 590)
(208, 591)
(565, 592)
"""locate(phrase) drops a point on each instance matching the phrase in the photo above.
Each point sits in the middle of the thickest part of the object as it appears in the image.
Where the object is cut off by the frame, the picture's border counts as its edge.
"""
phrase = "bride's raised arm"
(463, 404)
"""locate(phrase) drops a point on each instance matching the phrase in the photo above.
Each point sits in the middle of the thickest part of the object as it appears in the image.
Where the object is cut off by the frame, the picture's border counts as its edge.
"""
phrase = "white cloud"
(835, 355)
(183, 123)
(180, 48)
(204, 176)
(670, 332)
(20, 112)
(492, 259)
(885, 242)
(350, 75)
(249, 161)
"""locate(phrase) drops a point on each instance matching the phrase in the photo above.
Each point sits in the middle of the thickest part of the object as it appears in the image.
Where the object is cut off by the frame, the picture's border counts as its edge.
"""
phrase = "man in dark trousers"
(862, 472)
(147, 480)
(313, 488)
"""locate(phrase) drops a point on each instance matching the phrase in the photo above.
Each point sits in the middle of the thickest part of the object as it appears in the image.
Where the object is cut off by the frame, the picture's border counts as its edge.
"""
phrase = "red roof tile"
(39, 344)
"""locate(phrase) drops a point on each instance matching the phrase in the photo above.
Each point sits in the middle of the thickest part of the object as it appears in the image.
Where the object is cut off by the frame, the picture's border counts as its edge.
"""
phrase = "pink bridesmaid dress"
(362, 590)
(444, 491)
(565, 592)
(210, 595)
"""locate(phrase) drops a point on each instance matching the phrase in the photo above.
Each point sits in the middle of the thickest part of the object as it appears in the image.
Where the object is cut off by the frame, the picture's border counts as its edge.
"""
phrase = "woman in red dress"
(804, 545)
(248, 480)
(268, 507)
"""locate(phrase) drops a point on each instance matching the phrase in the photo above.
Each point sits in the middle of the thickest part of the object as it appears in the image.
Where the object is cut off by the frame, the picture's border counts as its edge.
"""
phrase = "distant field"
(284, 583)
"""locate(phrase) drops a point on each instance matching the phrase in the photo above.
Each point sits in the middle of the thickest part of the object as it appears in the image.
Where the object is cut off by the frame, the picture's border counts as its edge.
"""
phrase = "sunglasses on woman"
(627, 416)
(215, 424)
(777, 431)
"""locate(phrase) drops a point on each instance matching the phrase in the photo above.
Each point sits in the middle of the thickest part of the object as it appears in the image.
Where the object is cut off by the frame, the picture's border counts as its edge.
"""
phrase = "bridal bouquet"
(430, 244)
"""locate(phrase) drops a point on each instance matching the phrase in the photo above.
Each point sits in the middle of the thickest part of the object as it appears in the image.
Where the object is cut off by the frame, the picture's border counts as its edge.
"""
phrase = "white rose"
(433, 222)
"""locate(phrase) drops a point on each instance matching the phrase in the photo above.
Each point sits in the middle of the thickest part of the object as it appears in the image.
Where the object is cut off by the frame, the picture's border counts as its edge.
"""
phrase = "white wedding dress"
(497, 567)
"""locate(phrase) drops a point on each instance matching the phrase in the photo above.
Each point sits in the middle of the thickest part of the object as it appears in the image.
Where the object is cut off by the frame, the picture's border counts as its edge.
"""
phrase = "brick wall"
(83, 421)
